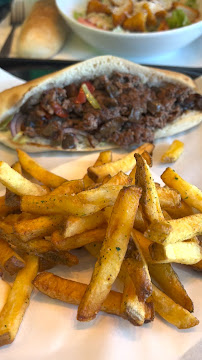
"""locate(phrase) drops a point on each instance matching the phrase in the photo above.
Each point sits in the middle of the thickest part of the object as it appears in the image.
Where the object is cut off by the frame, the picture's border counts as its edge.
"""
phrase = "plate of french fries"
(107, 263)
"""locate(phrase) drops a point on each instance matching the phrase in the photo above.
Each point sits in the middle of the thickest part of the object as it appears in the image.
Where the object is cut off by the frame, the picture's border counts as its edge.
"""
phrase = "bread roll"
(43, 32)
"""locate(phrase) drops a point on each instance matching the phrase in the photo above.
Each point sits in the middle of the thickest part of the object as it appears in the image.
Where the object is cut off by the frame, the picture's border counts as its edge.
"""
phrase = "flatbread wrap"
(102, 103)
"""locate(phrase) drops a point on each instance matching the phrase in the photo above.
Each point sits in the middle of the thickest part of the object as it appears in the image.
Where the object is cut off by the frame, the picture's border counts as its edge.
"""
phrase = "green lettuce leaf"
(192, 3)
(177, 19)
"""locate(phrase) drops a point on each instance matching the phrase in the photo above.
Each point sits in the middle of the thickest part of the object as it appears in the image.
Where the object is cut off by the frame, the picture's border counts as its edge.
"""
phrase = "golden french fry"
(172, 312)
(198, 266)
(4, 209)
(78, 240)
(94, 248)
(169, 282)
(9, 259)
(143, 242)
(168, 198)
(4, 292)
(172, 231)
(69, 187)
(149, 199)
(57, 204)
(138, 270)
(33, 168)
(36, 246)
(184, 252)
(132, 308)
(64, 258)
(140, 222)
(82, 204)
(26, 230)
(125, 164)
(189, 193)
(11, 199)
(72, 292)
(18, 301)
(173, 153)
(180, 211)
(103, 158)
(112, 253)
(17, 183)
(119, 179)
(76, 225)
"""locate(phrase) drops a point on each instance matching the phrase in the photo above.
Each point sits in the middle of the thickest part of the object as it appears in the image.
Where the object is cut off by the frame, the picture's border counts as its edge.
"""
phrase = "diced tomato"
(81, 98)
(86, 23)
(59, 111)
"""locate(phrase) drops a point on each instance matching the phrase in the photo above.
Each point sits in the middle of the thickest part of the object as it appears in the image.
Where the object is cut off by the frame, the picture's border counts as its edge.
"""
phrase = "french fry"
(33, 168)
(64, 258)
(184, 252)
(138, 270)
(26, 230)
(112, 253)
(180, 211)
(72, 292)
(18, 301)
(69, 187)
(4, 292)
(140, 222)
(119, 179)
(76, 225)
(9, 259)
(57, 204)
(6, 232)
(172, 312)
(103, 158)
(36, 246)
(5, 209)
(168, 197)
(132, 308)
(169, 282)
(149, 199)
(17, 183)
(198, 266)
(191, 195)
(125, 164)
(173, 153)
(172, 231)
(144, 244)
(82, 204)
(78, 240)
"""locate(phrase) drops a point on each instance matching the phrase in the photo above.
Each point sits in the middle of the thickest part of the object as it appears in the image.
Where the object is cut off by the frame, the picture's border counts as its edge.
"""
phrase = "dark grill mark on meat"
(130, 111)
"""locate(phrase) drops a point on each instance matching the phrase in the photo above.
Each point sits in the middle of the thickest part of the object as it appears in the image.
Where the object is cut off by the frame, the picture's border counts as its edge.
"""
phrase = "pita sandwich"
(119, 120)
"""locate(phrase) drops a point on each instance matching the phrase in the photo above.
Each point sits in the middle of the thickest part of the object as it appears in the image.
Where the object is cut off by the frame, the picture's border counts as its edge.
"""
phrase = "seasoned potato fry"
(18, 301)
(111, 254)
(103, 158)
(180, 211)
(184, 252)
(82, 204)
(44, 176)
(198, 266)
(11, 199)
(4, 292)
(77, 225)
(172, 312)
(36, 246)
(173, 153)
(72, 292)
(64, 258)
(191, 195)
(57, 204)
(140, 222)
(132, 308)
(143, 242)
(119, 179)
(138, 270)
(125, 164)
(6, 232)
(169, 282)
(172, 231)
(168, 198)
(4, 209)
(9, 259)
(26, 230)
(78, 240)
(17, 183)
(149, 199)
(69, 187)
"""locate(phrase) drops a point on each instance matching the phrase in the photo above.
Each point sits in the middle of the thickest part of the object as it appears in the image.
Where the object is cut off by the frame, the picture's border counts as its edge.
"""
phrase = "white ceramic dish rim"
(131, 35)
